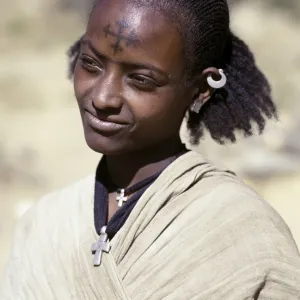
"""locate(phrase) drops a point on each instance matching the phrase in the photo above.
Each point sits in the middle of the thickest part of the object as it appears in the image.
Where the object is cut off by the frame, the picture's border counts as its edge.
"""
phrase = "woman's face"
(129, 79)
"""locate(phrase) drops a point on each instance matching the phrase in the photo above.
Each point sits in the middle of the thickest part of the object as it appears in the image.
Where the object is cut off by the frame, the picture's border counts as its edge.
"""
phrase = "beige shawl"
(197, 233)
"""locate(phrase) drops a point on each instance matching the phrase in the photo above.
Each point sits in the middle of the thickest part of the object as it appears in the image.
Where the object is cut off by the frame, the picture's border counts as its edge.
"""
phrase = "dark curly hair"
(246, 100)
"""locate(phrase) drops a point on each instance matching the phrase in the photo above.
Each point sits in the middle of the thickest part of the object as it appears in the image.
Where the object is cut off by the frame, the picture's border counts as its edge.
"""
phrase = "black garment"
(102, 183)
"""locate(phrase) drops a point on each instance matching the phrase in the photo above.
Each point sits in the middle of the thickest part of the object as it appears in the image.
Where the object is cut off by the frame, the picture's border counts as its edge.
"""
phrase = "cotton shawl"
(197, 233)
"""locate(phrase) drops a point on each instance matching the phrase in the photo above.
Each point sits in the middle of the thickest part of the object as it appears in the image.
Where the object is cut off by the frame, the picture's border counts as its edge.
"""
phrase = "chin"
(106, 145)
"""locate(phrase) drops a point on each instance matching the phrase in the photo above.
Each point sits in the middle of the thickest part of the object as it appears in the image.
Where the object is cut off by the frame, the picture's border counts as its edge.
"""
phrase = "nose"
(107, 92)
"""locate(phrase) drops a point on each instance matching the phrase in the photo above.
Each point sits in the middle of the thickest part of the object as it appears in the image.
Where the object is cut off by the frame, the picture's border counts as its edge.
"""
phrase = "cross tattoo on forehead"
(130, 39)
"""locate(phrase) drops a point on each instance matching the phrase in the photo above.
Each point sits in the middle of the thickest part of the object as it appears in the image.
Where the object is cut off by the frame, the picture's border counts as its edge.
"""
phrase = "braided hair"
(245, 101)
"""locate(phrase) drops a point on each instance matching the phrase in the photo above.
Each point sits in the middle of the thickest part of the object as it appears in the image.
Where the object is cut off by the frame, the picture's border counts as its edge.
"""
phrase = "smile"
(103, 125)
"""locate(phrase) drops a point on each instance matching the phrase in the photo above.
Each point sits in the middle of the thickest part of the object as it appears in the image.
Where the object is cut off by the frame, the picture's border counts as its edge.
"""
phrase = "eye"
(89, 64)
(144, 82)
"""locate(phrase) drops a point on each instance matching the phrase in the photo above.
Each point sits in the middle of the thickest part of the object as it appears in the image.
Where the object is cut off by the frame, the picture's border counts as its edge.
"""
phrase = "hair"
(245, 102)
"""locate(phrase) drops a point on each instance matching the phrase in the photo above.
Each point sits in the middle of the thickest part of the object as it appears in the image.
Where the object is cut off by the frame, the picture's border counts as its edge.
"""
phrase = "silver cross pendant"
(102, 245)
(121, 198)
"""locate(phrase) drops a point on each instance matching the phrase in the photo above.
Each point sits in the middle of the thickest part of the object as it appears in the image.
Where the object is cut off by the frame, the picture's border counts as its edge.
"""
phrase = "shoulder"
(240, 212)
(68, 195)
(63, 201)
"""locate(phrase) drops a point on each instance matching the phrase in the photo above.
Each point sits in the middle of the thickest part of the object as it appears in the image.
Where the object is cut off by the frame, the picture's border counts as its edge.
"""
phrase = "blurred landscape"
(41, 140)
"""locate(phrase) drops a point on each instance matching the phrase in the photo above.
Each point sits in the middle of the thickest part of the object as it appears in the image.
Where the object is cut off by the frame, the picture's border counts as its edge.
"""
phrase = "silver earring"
(217, 84)
(196, 106)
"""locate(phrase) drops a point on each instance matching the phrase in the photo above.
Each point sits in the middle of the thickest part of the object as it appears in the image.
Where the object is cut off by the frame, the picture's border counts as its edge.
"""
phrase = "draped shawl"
(197, 233)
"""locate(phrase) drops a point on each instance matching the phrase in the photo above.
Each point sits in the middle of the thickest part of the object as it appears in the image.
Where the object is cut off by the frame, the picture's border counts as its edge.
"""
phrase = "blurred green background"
(41, 140)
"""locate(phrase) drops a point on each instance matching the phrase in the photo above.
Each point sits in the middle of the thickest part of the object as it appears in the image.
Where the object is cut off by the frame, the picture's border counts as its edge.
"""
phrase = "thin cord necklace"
(122, 194)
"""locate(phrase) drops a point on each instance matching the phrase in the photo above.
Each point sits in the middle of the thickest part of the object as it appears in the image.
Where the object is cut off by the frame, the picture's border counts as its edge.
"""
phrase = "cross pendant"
(102, 245)
(121, 198)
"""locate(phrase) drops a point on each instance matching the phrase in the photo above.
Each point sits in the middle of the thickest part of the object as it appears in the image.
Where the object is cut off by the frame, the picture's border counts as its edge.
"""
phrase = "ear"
(204, 91)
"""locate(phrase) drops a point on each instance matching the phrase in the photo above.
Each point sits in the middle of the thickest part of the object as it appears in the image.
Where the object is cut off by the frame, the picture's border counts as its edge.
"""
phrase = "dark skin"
(129, 84)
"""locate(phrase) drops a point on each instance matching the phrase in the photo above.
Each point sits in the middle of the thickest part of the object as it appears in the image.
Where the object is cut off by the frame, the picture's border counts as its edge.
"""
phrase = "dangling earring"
(217, 84)
(196, 106)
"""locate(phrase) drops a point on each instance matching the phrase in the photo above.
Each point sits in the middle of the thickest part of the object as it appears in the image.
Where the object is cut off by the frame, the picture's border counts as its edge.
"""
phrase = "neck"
(128, 169)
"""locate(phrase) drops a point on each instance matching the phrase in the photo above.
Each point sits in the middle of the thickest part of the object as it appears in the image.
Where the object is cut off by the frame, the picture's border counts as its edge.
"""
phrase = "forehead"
(141, 32)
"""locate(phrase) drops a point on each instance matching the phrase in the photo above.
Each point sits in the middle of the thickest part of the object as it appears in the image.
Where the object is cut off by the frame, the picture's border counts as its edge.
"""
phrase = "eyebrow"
(133, 65)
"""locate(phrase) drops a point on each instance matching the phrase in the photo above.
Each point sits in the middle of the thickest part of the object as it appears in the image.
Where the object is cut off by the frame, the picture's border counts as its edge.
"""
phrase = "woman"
(158, 221)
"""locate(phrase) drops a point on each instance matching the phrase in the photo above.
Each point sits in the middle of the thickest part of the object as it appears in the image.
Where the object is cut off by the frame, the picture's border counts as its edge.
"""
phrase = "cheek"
(161, 110)
(77, 83)
(81, 84)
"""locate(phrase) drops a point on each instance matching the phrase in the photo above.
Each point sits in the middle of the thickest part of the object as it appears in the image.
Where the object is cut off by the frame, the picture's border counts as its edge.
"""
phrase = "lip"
(103, 125)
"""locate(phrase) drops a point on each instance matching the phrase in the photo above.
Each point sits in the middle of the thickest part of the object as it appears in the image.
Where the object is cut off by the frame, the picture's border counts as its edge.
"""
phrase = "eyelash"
(89, 64)
(143, 82)
(140, 82)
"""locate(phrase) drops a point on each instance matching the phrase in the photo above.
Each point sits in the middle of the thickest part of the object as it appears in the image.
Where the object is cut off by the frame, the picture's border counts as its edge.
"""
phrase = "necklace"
(122, 194)
(121, 198)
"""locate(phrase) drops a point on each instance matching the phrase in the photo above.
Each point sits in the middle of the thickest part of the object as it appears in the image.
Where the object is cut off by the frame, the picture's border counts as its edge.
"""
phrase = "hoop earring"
(217, 84)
